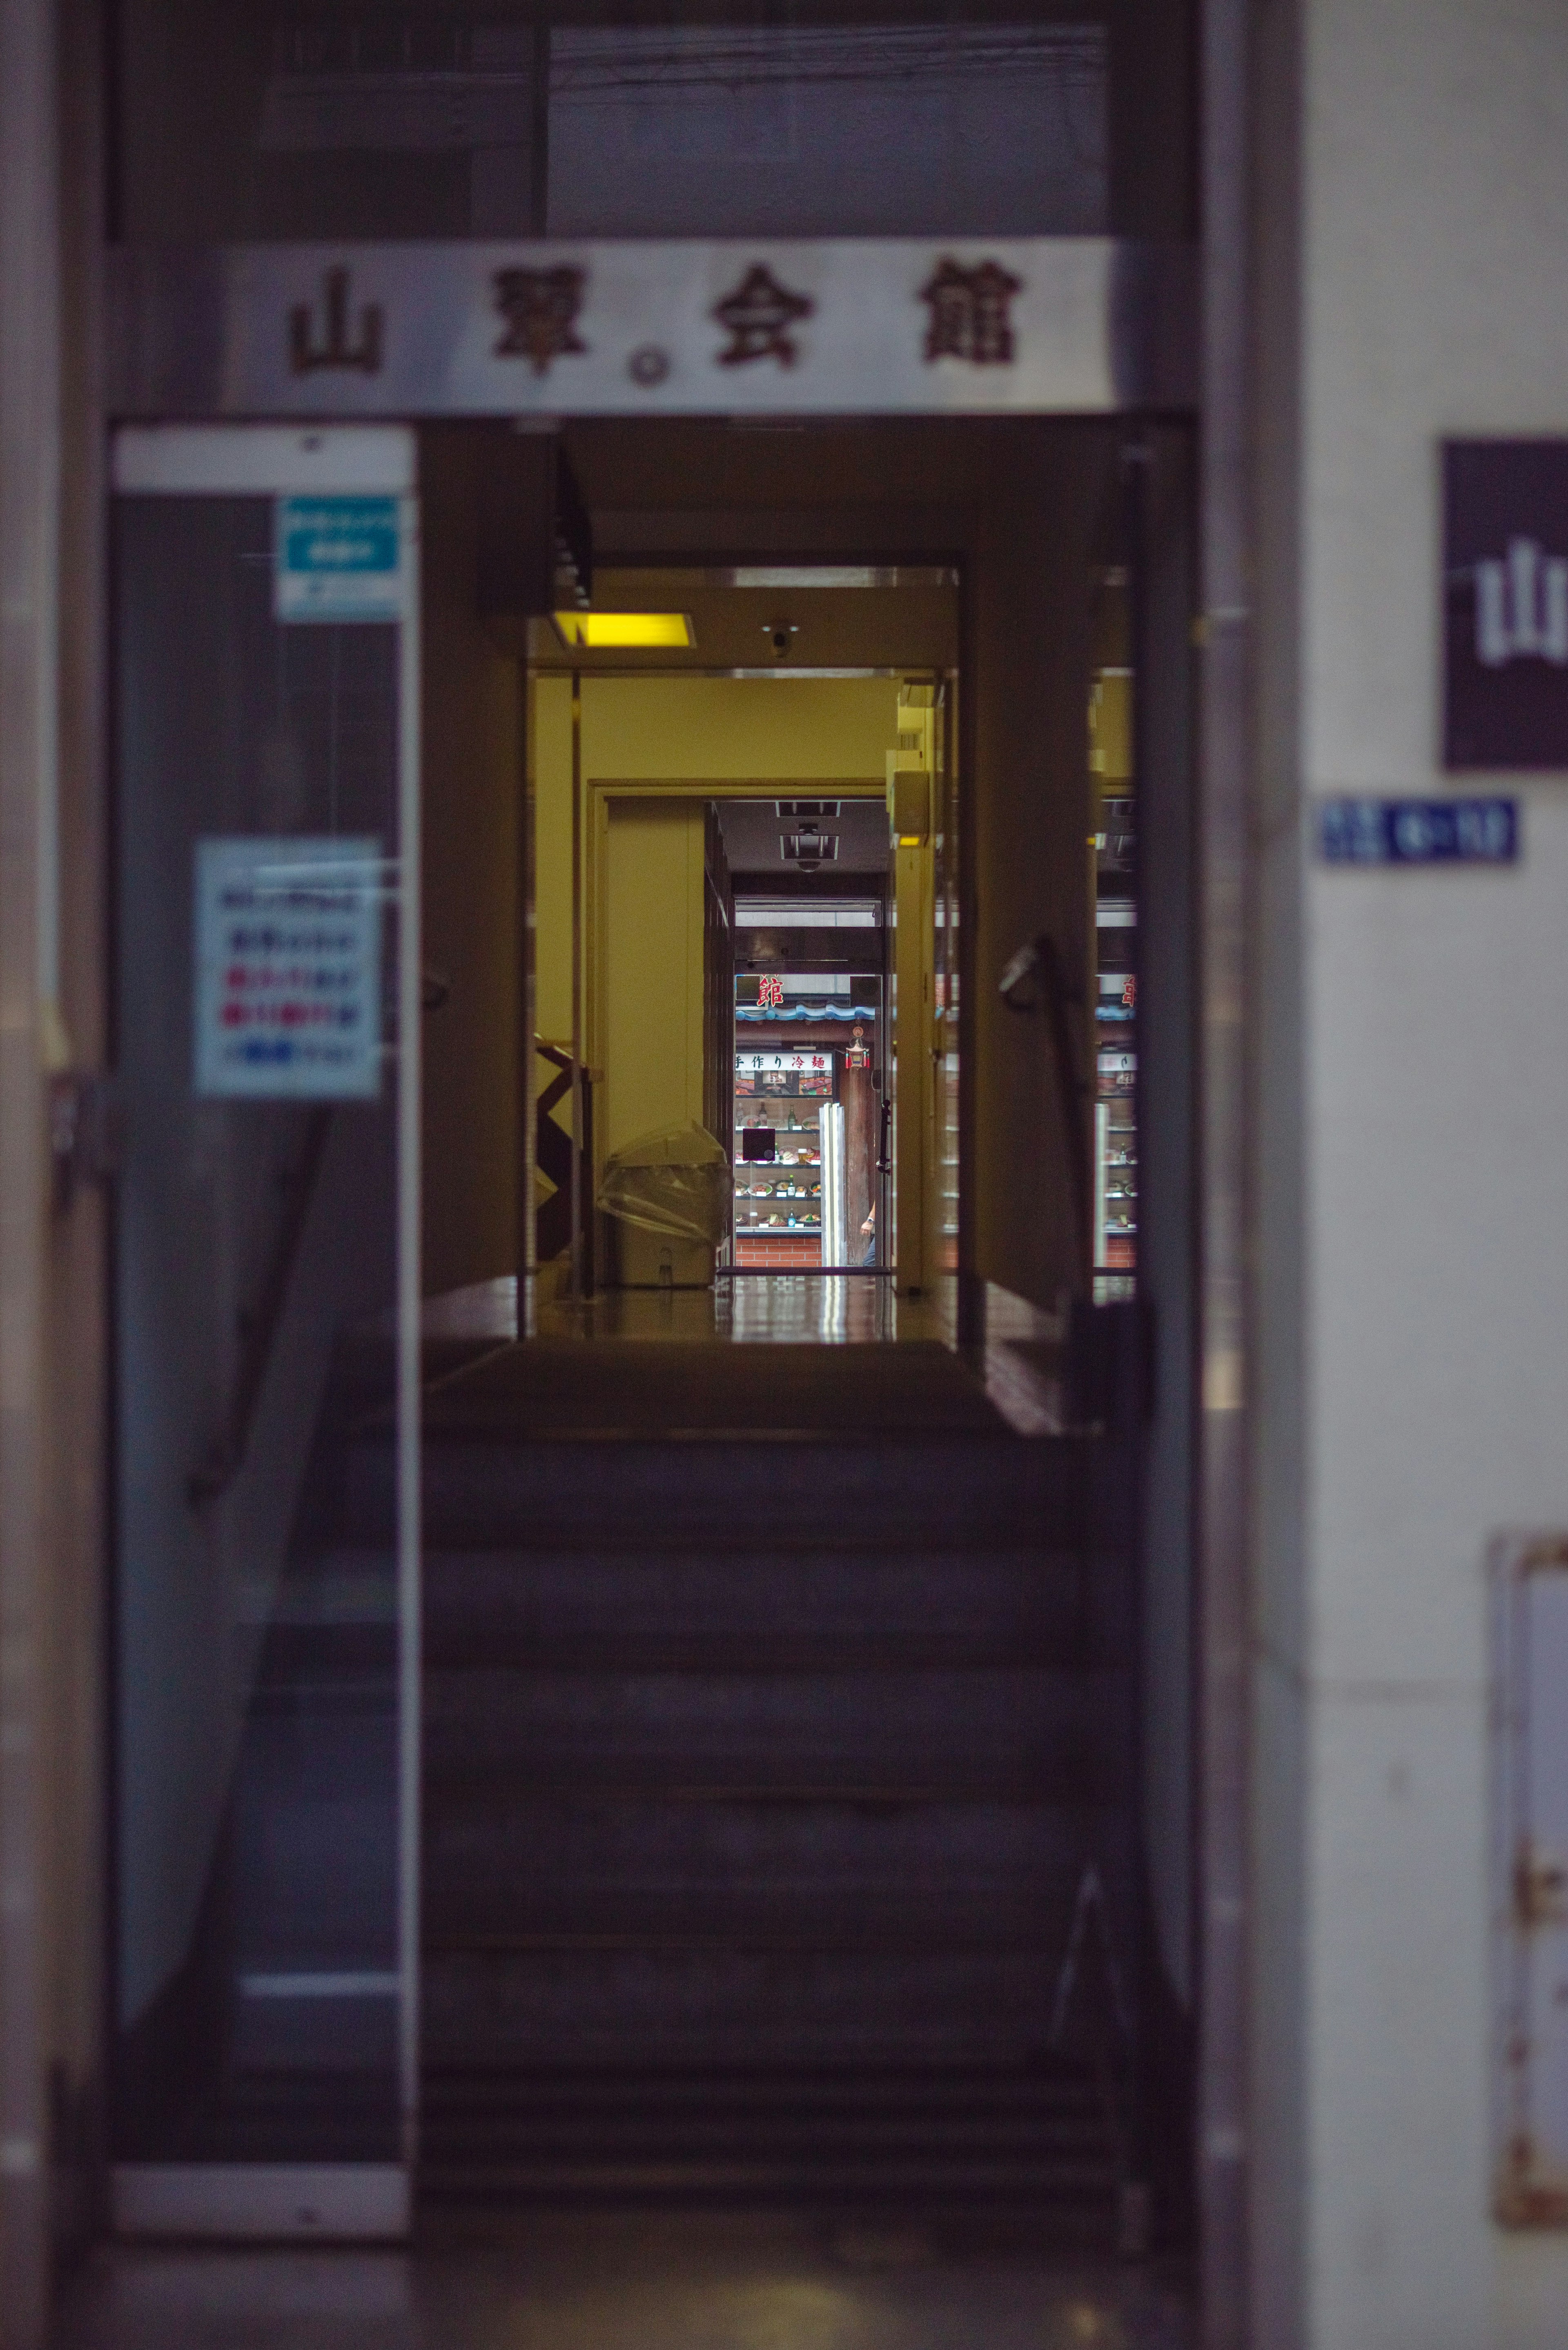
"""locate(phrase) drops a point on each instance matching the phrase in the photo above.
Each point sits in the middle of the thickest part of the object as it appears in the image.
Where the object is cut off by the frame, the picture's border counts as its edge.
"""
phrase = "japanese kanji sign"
(1505, 604)
(685, 325)
(758, 317)
(971, 313)
(288, 967)
(540, 307)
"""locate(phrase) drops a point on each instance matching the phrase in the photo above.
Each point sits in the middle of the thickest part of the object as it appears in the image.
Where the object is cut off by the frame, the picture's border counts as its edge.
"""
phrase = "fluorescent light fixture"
(626, 631)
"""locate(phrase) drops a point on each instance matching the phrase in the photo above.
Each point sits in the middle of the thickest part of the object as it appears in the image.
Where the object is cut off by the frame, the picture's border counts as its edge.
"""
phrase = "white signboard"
(288, 968)
(679, 326)
(759, 1065)
(338, 558)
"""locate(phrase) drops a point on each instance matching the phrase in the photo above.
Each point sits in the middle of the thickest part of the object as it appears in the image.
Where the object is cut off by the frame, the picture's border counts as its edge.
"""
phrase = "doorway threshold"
(798, 1353)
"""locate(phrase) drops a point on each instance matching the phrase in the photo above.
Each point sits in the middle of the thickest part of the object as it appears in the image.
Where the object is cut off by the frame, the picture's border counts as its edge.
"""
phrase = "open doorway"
(837, 1692)
(726, 915)
(813, 1108)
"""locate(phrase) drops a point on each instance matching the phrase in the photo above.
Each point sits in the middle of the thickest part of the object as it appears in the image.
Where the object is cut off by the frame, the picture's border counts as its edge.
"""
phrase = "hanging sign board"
(784, 1073)
(773, 1064)
(288, 968)
(1505, 604)
(338, 559)
(643, 326)
(1419, 832)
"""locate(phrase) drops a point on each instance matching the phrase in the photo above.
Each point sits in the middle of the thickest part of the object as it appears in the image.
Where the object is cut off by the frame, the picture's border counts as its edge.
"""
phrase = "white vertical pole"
(833, 1219)
(410, 1626)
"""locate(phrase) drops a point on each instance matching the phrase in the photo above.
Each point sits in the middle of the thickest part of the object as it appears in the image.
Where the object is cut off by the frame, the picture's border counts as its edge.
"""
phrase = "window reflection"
(325, 120)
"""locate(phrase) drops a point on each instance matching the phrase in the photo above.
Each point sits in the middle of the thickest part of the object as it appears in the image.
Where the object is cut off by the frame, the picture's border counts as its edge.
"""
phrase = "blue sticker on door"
(338, 559)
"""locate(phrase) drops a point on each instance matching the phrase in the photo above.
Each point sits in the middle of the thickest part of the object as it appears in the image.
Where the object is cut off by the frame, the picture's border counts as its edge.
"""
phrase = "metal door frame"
(307, 2201)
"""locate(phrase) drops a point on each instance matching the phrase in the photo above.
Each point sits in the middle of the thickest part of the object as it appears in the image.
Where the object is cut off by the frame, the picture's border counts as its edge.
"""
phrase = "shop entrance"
(733, 951)
(765, 1763)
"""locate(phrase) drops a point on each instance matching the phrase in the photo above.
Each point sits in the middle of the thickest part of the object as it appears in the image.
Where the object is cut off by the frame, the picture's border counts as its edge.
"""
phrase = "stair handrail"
(1040, 962)
(260, 1323)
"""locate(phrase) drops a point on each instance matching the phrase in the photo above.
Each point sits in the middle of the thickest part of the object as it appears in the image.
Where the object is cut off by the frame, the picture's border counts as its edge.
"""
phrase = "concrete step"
(806, 1871)
(690, 2006)
(681, 1610)
(891, 1493)
(923, 1734)
(1077, 2192)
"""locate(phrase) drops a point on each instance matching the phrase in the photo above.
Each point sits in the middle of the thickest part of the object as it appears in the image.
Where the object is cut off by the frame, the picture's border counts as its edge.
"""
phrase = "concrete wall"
(1412, 1113)
(473, 810)
(1036, 538)
(650, 967)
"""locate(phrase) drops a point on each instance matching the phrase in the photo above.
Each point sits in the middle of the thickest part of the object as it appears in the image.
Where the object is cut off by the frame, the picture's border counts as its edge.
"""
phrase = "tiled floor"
(1012, 1347)
(648, 2282)
(782, 1308)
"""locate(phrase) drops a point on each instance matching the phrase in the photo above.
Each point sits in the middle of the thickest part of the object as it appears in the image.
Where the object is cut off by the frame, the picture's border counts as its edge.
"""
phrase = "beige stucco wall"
(1412, 1115)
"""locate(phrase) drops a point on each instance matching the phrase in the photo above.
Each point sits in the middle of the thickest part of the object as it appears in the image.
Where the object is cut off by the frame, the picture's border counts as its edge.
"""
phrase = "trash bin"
(666, 1196)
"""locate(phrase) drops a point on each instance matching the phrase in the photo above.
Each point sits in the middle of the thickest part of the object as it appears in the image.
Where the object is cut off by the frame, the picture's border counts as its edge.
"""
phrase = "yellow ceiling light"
(626, 631)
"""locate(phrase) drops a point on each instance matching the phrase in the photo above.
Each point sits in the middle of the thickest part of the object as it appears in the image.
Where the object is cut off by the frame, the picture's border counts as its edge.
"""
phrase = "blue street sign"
(1419, 832)
(338, 558)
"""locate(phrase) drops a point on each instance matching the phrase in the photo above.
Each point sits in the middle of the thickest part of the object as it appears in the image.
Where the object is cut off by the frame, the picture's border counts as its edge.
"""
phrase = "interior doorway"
(713, 921)
(928, 678)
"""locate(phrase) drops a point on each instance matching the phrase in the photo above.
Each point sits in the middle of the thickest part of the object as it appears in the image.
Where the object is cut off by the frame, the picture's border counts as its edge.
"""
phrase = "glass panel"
(948, 950)
(256, 1983)
(868, 129)
(343, 119)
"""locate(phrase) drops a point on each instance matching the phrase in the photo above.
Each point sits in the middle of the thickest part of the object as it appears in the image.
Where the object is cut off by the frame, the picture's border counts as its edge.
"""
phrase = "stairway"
(760, 1781)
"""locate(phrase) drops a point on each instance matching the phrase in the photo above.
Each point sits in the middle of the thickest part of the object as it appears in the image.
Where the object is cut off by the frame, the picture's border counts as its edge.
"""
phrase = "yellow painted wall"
(553, 857)
(767, 731)
(671, 729)
(649, 1029)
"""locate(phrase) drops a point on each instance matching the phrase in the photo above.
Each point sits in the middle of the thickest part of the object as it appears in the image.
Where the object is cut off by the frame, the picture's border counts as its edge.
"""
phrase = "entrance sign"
(1505, 573)
(338, 558)
(1420, 832)
(827, 325)
(288, 968)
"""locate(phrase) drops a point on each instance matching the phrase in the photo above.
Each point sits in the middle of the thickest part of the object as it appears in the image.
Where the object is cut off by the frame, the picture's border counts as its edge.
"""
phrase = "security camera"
(781, 635)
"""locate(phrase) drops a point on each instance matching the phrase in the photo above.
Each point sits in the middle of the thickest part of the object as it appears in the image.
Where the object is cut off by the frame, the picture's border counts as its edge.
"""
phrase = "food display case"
(779, 1098)
(1115, 1092)
(1115, 1004)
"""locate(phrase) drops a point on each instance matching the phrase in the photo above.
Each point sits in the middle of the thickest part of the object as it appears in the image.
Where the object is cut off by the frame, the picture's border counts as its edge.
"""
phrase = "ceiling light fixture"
(625, 631)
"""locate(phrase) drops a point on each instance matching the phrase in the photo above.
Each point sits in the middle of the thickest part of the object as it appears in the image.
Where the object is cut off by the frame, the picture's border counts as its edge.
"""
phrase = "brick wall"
(785, 1252)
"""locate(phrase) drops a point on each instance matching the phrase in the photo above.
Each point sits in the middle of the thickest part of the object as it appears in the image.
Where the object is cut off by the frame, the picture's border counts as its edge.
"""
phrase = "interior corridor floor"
(789, 1353)
(641, 2282)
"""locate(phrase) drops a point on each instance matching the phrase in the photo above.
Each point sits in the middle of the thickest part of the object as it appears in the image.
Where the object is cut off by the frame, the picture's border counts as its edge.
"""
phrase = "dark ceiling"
(755, 831)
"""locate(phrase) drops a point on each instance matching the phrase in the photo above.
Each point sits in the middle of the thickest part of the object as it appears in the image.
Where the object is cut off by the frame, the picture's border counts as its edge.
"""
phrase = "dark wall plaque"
(1419, 832)
(1505, 604)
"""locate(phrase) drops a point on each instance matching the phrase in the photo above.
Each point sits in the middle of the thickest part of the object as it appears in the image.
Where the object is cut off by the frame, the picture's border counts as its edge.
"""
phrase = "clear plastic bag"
(674, 1182)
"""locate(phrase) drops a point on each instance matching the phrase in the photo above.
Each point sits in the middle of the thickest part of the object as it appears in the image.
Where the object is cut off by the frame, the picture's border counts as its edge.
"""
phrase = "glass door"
(266, 1285)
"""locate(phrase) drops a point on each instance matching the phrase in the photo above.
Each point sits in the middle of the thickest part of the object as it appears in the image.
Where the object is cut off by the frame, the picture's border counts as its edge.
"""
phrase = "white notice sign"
(288, 967)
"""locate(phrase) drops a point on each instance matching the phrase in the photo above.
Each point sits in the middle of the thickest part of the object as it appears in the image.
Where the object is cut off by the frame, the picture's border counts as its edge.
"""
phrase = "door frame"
(914, 1159)
(1220, 307)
